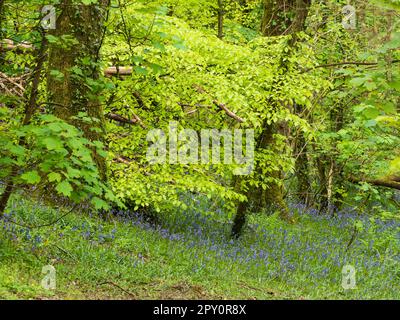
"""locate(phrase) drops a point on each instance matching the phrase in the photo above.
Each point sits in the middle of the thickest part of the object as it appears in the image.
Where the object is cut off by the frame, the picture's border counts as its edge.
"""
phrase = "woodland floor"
(190, 256)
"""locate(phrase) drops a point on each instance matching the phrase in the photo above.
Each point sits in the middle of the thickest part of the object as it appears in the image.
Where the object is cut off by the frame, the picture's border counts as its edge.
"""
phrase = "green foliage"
(54, 155)
(331, 97)
(166, 77)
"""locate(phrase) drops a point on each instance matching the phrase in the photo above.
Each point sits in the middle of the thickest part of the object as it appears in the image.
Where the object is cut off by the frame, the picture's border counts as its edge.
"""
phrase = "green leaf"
(356, 82)
(54, 176)
(159, 46)
(51, 38)
(73, 173)
(141, 70)
(371, 113)
(389, 108)
(395, 85)
(77, 71)
(53, 143)
(99, 203)
(64, 188)
(57, 75)
(31, 177)
(370, 123)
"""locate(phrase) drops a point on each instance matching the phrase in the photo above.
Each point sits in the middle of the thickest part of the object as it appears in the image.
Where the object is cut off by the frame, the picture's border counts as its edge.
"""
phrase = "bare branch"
(220, 105)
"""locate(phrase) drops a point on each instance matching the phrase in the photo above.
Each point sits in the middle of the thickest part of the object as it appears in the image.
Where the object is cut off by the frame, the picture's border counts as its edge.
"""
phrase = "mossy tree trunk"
(76, 91)
(280, 18)
(283, 17)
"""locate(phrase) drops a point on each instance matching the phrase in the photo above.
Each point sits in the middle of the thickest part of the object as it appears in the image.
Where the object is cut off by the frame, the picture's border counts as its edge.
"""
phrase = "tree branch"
(118, 71)
(121, 119)
(391, 182)
(220, 105)
(356, 63)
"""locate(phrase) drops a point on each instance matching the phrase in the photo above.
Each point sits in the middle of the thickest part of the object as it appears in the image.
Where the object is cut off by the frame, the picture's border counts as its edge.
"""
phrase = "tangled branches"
(13, 86)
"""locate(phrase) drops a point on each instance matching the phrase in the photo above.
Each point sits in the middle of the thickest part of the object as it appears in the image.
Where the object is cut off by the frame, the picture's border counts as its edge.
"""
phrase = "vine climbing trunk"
(78, 89)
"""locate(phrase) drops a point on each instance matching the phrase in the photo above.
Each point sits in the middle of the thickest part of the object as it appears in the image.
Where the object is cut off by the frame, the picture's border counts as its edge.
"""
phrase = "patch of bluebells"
(15, 219)
(29, 239)
(270, 250)
(94, 234)
(276, 251)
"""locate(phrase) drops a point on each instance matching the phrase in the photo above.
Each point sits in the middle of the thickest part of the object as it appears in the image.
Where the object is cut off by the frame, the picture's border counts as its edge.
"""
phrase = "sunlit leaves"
(31, 177)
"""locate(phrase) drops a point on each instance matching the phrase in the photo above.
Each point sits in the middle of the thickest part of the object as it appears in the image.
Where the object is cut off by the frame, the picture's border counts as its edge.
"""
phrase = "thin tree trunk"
(1, 18)
(2, 34)
(301, 164)
(30, 109)
(7, 192)
(337, 176)
(221, 14)
(322, 196)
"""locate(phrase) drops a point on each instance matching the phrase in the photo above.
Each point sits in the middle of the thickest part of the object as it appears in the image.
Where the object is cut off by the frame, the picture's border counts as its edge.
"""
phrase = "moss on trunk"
(72, 95)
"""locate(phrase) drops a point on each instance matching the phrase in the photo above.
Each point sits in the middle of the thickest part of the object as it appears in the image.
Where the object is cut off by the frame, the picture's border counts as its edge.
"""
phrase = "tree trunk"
(1, 18)
(221, 14)
(2, 33)
(322, 195)
(337, 175)
(71, 95)
(30, 109)
(277, 17)
(301, 164)
(280, 18)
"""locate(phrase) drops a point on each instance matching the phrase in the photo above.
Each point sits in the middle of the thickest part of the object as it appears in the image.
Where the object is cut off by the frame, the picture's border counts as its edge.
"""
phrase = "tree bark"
(2, 34)
(221, 14)
(1, 18)
(71, 95)
(282, 17)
